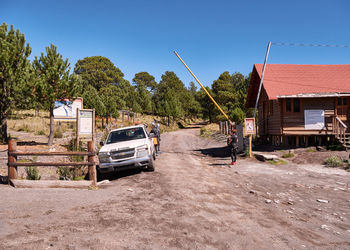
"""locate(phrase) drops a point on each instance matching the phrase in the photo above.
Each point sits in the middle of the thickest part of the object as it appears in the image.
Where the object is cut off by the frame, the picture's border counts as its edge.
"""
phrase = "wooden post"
(297, 141)
(12, 170)
(77, 129)
(92, 168)
(250, 146)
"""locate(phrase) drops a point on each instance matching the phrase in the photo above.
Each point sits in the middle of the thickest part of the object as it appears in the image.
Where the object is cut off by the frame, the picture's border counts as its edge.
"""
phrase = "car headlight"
(142, 151)
(103, 157)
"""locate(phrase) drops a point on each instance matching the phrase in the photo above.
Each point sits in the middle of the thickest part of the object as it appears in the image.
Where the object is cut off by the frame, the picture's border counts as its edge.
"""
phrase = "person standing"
(155, 131)
(232, 142)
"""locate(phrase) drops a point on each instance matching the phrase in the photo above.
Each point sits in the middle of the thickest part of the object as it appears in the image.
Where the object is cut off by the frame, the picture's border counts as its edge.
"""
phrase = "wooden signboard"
(85, 124)
(249, 128)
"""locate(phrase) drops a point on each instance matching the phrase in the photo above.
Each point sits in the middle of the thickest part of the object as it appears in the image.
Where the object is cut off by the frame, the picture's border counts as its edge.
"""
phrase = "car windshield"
(126, 135)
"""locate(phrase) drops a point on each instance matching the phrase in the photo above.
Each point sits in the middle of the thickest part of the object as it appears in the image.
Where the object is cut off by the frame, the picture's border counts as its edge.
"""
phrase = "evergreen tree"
(14, 73)
(98, 71)
(53, 82)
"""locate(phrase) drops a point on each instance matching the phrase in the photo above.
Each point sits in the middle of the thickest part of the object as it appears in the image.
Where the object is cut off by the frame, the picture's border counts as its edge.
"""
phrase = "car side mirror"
(102, 143)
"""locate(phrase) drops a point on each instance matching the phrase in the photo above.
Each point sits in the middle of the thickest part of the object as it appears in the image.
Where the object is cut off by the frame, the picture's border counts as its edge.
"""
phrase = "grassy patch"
(333, 161)
(288, 155)
(33, 173)
(310, 150)
(277, 162)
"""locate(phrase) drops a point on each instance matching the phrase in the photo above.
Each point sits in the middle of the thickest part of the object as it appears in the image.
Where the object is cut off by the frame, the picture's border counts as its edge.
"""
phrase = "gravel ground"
(193, 200)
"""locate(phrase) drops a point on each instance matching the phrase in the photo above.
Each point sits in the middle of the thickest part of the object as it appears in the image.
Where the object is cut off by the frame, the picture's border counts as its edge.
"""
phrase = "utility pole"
(261, 79)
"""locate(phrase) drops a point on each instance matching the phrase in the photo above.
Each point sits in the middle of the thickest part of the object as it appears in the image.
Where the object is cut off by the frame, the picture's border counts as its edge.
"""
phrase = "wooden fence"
(225, 127)
(13, 164)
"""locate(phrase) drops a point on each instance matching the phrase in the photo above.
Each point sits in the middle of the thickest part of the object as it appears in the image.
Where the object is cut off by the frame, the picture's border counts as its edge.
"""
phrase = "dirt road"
(192, 201)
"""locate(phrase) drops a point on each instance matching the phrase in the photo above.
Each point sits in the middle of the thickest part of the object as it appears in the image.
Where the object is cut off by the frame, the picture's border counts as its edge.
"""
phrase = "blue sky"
(210, 36)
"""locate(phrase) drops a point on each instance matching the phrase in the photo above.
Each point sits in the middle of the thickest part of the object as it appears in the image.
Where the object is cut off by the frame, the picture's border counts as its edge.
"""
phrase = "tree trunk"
(168, 120)
(107, 121)
(103, 124)
(52, 128)
(3, 127)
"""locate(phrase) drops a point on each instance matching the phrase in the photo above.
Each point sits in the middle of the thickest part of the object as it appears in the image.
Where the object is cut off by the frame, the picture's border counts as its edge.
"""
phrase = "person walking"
(232, 142)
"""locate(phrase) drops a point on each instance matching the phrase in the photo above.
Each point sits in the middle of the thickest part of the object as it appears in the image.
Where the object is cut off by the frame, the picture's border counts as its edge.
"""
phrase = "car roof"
(134, 126)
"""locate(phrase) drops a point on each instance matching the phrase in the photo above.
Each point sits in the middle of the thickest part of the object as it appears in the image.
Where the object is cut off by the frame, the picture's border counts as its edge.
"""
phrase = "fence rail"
(13, 164)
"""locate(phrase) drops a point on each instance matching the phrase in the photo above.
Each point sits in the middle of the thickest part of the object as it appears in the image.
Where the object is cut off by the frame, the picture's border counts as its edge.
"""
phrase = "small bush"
(33, 173)
(277, 162)
(23, 128)
(202, 131)
(40, 132)
(288, 155)
(58, 133)
(333, 161)
(310, 150)
(72, 173)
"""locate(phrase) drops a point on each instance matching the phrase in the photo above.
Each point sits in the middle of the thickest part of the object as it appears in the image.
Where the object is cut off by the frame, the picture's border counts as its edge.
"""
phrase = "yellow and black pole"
(205, 90)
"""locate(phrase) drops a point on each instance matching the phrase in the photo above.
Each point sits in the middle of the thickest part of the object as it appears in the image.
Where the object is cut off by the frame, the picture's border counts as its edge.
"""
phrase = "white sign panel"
(314, 119)
(85, 123)
(66, 109)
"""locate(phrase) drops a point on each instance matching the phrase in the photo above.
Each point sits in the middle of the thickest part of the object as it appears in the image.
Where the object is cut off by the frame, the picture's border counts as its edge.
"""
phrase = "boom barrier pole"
(205, 90)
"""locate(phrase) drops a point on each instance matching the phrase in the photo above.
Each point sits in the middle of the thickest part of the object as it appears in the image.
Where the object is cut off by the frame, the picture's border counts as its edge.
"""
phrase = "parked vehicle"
(126, 148)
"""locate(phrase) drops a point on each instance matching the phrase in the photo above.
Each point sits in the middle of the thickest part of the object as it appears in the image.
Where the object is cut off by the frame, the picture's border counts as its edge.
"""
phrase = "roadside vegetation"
(35, 85)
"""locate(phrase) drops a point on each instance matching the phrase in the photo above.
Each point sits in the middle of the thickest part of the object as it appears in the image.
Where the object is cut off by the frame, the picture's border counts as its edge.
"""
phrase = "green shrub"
(58, 133)
(277, 162)
(202, 131)
(32, 173)
(72, 173)
(288, 155)
(40, 132)
(310, 150)
(333, 161)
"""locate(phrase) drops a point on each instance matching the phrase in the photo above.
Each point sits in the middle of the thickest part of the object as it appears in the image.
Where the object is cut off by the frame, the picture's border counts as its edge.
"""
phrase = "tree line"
(38, 84)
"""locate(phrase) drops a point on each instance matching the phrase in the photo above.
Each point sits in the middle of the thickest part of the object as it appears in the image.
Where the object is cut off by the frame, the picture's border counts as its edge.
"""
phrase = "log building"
(301, 105)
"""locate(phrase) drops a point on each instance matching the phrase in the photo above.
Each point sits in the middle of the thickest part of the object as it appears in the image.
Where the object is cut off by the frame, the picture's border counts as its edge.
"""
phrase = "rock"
(130, 190)
(325, 227)
(267, 201)
(103, 182)
(265, 157)
(276, 201)
(290, 203)
(322, 201)
(252, 192)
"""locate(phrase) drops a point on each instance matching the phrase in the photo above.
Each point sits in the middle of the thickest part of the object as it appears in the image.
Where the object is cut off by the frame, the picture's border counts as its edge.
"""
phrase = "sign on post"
(249, 127)
(65, 109)
(85, 124)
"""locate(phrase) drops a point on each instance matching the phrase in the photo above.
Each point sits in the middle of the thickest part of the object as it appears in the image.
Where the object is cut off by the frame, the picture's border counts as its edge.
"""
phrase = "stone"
(267, 201)
(252, 192)
(322, 201)
(276, 201)
(325, 227)
(265, 157)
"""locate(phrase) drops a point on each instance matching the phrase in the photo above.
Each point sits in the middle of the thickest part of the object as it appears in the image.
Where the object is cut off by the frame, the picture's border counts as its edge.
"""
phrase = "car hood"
(123, 145)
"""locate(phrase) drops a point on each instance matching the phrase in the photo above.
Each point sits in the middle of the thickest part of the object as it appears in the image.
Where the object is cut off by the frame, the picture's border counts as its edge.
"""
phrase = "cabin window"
(288, 105)
(296, 106)
(293, 105)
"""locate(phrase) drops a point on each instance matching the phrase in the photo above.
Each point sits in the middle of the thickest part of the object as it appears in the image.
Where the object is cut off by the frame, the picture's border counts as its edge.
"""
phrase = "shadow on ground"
(215, 152)
(117, 175)
(30, 143)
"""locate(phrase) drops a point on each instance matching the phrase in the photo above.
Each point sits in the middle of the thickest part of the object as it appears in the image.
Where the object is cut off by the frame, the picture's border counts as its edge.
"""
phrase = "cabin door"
(343, 109)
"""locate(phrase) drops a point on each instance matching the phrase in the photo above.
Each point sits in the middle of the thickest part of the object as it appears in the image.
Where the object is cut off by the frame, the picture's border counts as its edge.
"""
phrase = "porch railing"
(339, 129)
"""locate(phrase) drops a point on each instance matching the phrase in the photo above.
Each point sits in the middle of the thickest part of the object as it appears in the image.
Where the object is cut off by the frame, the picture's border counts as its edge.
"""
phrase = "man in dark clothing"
(232, 142)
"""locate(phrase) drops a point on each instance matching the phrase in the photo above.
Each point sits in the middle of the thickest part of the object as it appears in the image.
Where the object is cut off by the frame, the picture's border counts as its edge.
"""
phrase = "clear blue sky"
(211, 36)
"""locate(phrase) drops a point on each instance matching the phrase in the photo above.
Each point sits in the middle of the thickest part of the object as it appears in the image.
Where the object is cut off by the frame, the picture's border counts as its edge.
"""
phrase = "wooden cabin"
(301, 105)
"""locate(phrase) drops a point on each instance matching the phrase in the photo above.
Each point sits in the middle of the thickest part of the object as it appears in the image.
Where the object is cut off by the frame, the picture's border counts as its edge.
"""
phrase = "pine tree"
(53, 82)
(14, 72)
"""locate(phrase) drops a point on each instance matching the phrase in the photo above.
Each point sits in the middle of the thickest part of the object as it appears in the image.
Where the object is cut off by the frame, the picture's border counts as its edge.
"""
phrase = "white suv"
(125, 148)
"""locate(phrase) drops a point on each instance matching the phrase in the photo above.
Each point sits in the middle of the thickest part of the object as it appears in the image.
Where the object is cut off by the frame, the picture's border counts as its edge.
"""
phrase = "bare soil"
(193, 200)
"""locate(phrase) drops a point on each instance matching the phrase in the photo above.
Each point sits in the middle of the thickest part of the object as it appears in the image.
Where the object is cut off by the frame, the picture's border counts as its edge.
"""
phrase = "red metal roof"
(292, 79)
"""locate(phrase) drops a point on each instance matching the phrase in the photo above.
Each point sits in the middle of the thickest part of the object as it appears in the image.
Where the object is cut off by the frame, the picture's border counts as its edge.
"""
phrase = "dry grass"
(209, 129)
(37, 123)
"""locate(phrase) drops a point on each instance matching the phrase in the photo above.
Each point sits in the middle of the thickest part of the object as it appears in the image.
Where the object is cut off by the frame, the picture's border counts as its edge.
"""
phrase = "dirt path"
(192, 201)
